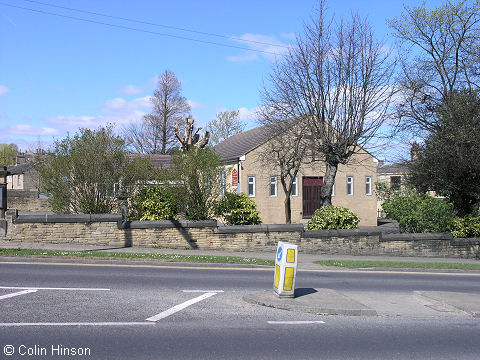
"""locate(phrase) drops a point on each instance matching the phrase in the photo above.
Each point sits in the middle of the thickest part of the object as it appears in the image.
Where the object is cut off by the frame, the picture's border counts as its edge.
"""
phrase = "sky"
(63, 67)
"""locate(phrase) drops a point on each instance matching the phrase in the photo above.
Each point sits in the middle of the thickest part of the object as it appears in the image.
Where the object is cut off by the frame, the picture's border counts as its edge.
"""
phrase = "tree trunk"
(288, 210)
(287, 202)
(328, 181)
(164, 134)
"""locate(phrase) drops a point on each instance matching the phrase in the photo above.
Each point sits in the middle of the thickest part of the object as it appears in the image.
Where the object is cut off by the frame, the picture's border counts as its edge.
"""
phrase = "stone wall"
(109, 230)
(27, 200)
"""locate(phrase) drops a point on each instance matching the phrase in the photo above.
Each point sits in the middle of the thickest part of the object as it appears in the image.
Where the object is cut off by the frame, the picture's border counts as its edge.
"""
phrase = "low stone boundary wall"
(109, 230)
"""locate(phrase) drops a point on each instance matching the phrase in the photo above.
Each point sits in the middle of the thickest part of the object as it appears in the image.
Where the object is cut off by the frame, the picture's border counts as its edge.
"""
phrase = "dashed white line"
(180, 307)
(202, 291)
(294, 322)
(17, 294)
(50, 288)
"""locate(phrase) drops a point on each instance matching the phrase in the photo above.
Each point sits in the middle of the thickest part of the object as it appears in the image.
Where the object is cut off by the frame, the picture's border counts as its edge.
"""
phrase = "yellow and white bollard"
(285, 269)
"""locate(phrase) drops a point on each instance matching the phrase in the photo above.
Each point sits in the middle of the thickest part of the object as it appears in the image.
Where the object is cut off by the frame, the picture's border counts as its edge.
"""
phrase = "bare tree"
(336, 78)
(225, 124)
(439, 53)
(191, 140)
(156, 133)
(137, 139)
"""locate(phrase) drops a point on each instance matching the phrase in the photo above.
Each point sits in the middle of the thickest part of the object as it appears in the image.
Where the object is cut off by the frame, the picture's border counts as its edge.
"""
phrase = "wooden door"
(311, 188)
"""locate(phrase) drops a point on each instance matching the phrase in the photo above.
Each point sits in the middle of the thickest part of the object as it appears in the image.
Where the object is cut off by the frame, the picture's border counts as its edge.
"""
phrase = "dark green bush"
(237, 209)
(420, 213)
(155, 203)
(333, 217)
(468, 226)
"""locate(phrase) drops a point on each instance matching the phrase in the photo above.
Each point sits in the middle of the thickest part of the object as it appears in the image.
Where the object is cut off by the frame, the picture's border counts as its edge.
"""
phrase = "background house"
(394, 176)
(23, 189)
(247, 173)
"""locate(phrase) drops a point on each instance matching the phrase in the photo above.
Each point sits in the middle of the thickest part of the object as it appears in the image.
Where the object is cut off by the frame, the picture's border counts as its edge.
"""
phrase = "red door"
(311, 195)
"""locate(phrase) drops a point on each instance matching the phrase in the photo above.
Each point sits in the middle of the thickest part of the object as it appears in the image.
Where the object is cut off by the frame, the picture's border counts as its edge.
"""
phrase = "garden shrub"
(155, 203)
(333, 217)
(420, 213)
(237, 209)
(468, 226)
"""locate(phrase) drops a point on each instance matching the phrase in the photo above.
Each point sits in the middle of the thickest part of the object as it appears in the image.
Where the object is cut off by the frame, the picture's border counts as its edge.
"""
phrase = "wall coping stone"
(66, 218)
(465, 241)
(237, 229)
(168, 224)
(365, 231)
(416, 237)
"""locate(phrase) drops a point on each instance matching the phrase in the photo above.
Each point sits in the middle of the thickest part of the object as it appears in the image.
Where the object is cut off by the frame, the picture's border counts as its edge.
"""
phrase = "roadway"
(173, 311)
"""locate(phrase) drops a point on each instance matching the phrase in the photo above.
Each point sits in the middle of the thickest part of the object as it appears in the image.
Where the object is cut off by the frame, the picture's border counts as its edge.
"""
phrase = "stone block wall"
(109, 230)
(27, 200)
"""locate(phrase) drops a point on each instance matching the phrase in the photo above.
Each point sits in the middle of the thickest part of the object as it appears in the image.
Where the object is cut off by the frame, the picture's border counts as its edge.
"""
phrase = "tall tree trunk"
(288, 210)
(328, 181)
(164, 134)
(287, 202)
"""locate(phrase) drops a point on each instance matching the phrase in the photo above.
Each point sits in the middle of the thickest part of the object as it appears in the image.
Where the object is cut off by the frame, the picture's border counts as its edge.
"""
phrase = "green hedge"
(468, 226)
(420, 213)
(155, 203)
(237, 209)
(333, 217)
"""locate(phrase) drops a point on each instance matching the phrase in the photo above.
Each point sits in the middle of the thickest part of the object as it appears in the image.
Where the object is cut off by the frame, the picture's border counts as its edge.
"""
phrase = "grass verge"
(397, 264)
(133, 256)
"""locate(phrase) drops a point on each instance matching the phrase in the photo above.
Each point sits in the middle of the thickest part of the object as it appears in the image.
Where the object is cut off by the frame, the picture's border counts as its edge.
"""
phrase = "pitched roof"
(240, 144)
(399, 168)
(159, 161)
(18, 169)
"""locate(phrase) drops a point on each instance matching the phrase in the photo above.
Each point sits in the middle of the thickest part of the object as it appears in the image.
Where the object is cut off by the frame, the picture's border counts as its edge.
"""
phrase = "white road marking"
(180, 307)
(48, 288)
(78, 324)
(17, 294)
(203, 291)
(294, 322)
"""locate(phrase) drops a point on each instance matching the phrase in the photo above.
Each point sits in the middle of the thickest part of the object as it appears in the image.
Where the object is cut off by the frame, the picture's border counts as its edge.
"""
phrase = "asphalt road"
(107, 308)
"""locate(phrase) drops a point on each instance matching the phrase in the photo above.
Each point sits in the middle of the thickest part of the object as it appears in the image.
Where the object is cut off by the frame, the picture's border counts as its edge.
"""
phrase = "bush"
(468, 226)
(333, 217)
(237, 209)
(194, 176)
(155, 203)
(385, 193)
(420, 213)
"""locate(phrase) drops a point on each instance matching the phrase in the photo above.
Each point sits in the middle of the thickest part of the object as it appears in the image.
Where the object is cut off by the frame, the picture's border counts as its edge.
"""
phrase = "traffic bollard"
(285, 270)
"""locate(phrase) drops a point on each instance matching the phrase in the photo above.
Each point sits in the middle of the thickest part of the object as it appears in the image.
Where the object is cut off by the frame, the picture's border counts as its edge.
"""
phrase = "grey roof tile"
(400, 168)
(242, 143)
(159, 161)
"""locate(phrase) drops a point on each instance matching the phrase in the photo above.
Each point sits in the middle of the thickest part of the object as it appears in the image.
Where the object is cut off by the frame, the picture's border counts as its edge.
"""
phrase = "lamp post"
(3, 199)
(3, 191)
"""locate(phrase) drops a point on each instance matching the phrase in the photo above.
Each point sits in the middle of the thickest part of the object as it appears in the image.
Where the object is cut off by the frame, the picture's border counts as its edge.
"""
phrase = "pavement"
(315, 301)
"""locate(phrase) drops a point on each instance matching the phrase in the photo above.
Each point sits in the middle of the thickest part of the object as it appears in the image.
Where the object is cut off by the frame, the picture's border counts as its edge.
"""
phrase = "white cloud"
(247, 115)
(266, 46)
(130, 90)
(29, 130)
(3, 90)
(116, 111)
(72, 122)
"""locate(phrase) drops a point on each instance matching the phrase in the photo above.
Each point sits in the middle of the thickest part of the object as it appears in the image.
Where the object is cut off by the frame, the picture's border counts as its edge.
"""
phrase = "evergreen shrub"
(333, 217)
(155, 203)
(237, 209)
